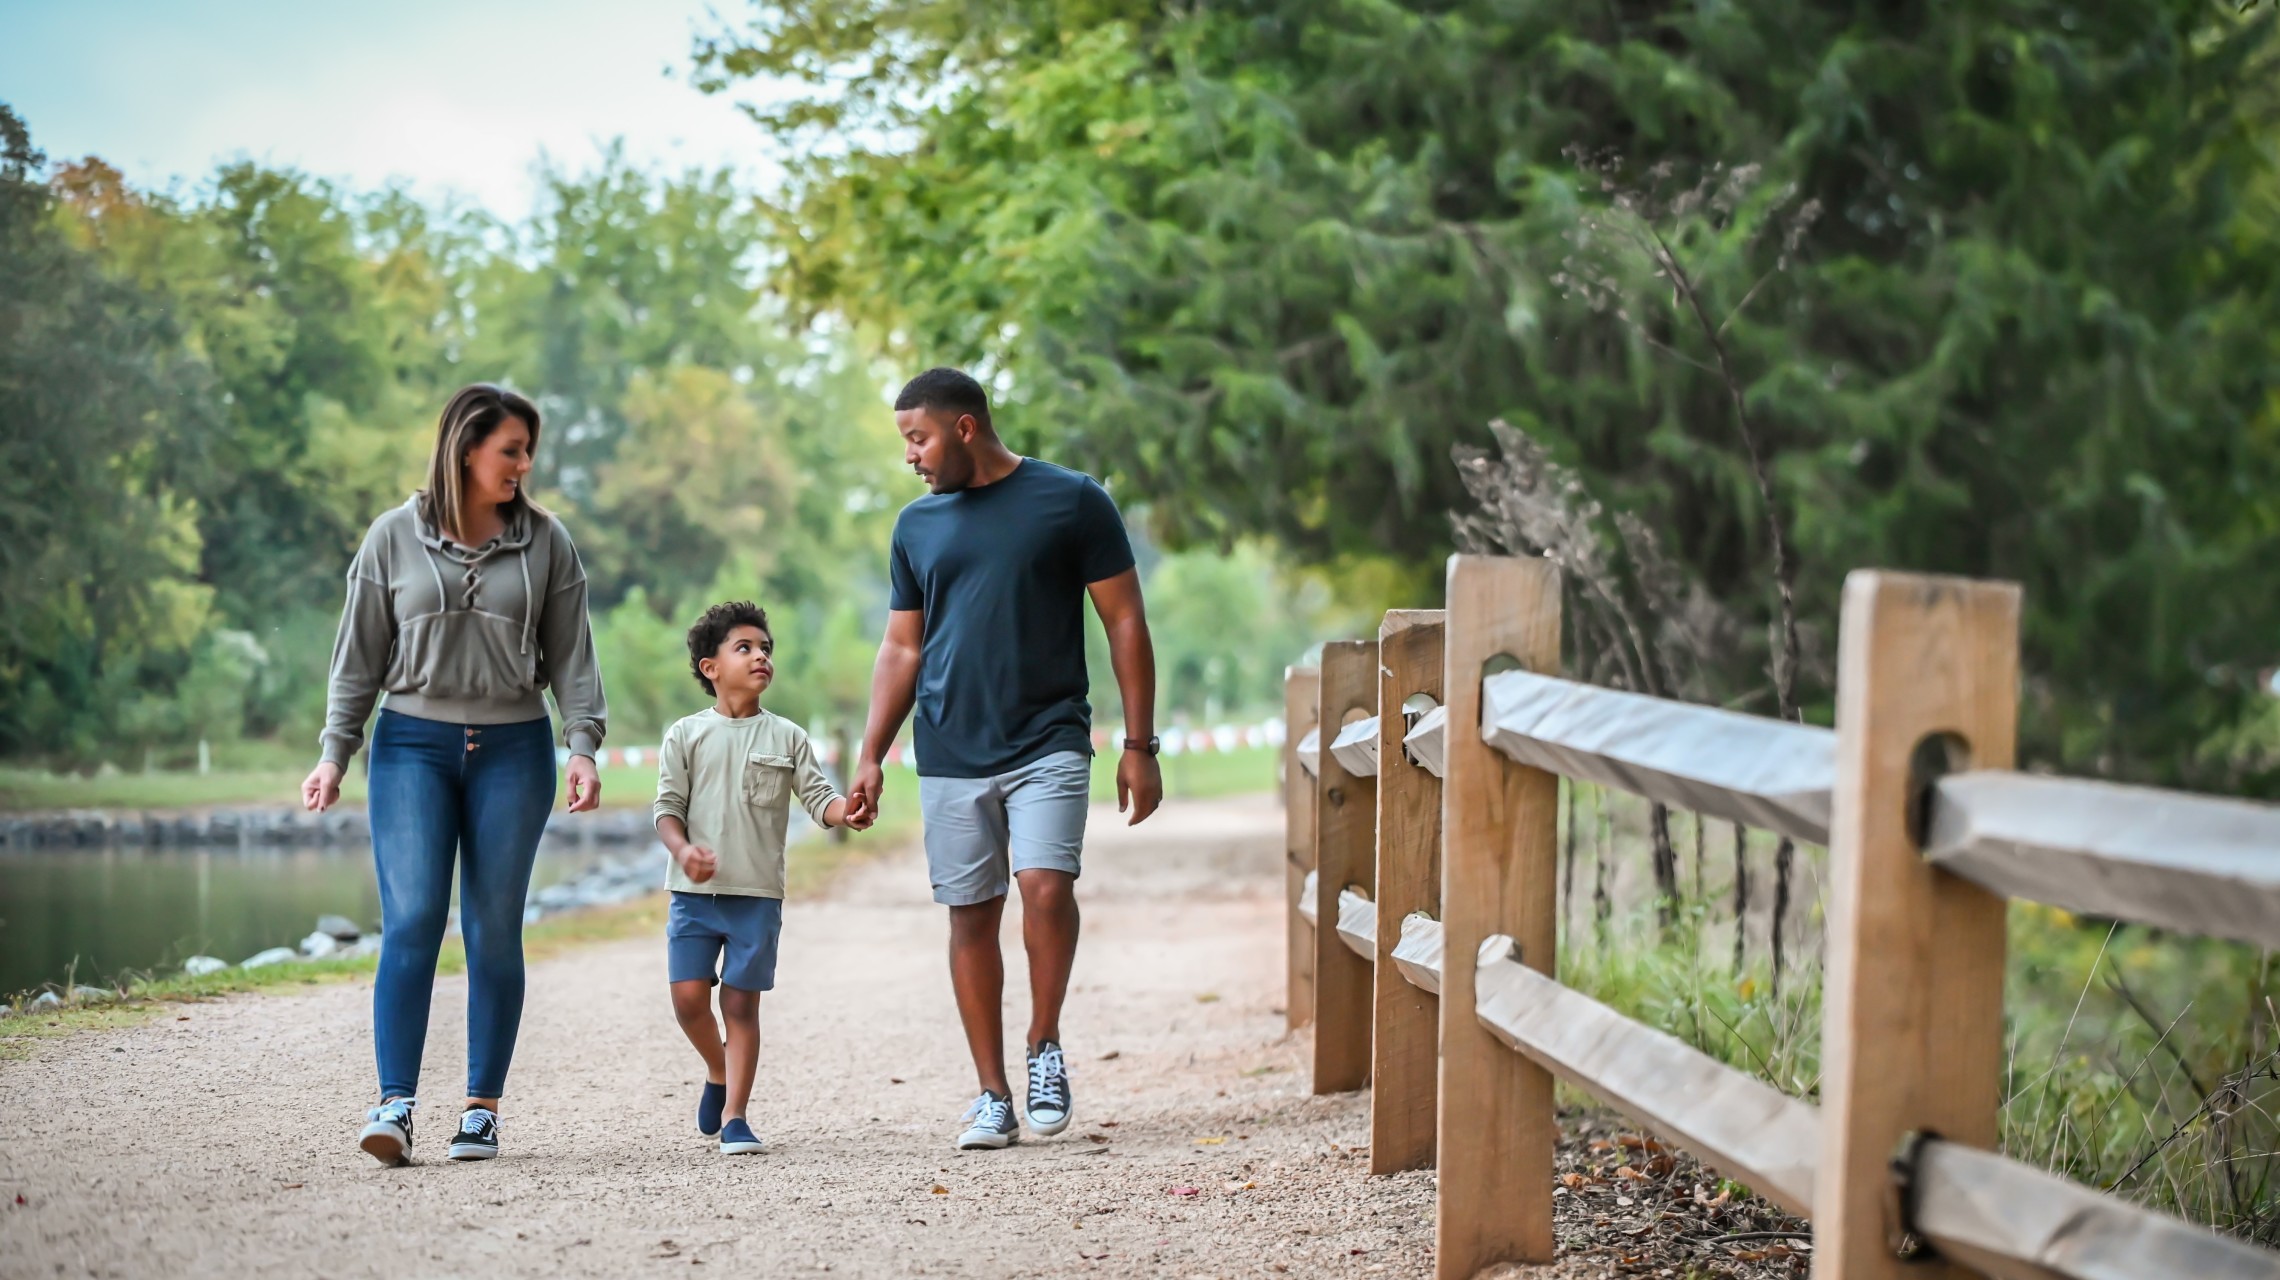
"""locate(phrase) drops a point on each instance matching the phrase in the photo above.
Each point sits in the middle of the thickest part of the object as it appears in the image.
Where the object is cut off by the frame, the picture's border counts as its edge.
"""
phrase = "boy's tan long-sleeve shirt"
(731, 782)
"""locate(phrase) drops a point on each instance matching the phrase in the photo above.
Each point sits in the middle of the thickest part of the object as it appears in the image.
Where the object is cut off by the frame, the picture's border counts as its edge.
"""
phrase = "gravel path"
(223, 1142)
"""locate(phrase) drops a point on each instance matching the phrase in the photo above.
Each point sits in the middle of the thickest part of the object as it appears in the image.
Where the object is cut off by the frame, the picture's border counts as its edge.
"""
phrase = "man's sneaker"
(989, 1123)
(478, 1136)
(709, 1106)
(736, 1138)
(387, 1133)
(1049, 1103)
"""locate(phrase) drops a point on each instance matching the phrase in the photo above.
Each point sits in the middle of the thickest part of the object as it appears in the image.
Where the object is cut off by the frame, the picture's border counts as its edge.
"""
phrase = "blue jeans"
(440, 794)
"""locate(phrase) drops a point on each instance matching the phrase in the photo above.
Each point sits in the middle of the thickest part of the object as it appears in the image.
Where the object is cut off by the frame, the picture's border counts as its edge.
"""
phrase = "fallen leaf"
(1633, 1174)
(1661, 1165)
(894, 1079)
(1185, 1191)
(941, 1190)
(1355, 1253)
(293, 1186)
(1096, 1137)
(1211, 1142)
(1574, 1181)
(1208, 997)
(1112, 1055)
(1602, 1144)
(184, 1018)
(1106, 1124)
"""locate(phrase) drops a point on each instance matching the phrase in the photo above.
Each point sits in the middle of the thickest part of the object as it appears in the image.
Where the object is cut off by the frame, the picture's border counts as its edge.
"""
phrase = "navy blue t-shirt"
(1000, 572)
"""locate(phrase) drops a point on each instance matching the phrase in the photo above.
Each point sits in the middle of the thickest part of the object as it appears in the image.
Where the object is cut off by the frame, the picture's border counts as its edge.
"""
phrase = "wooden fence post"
(1912, 1031)
(1302, 688)
(1405, 1033)
(1345, 852)
(1499, 832)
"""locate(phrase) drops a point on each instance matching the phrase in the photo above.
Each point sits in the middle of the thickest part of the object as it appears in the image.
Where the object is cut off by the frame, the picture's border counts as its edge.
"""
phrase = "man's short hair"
(945, 390)
(711, 631)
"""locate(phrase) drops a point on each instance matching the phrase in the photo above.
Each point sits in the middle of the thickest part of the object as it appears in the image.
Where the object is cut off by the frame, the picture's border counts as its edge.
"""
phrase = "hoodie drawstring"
(530, 603)
(442, 597)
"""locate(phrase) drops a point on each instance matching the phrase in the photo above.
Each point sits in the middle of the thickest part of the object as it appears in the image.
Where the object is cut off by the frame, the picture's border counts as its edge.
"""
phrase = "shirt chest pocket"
(767, 778)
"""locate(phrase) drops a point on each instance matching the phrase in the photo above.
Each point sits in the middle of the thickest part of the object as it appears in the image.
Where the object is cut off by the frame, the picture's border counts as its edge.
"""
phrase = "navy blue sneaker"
(989, 1124)
(387, 1135)
(736, 1138)
(709, 1106)
(478, 1136)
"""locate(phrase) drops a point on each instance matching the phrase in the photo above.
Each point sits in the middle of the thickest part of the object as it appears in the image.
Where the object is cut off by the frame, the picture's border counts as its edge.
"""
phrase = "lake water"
(119, 909)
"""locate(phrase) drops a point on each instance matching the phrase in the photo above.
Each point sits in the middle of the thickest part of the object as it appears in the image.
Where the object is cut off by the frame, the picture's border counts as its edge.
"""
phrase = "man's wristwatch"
(1151, 746)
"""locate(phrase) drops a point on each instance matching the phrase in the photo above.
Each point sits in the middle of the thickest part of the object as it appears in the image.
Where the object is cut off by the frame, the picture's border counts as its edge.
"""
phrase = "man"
(985, 634)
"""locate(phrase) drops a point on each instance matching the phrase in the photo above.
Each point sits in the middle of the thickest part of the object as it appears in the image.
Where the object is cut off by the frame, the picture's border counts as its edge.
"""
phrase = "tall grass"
(2137, 1061)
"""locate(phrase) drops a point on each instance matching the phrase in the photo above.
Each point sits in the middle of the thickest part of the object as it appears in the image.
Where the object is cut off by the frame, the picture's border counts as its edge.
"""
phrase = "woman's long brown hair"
(475, 411)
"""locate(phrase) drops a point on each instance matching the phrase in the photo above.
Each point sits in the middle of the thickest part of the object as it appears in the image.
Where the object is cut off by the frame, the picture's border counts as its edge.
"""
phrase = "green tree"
(1265, 264)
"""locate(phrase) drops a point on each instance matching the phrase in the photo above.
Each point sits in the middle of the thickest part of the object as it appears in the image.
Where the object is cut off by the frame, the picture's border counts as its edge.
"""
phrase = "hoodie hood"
(513, 540)
(521, 527)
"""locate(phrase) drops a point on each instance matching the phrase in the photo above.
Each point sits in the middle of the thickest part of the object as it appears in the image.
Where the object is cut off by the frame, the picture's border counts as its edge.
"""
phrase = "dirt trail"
(224, 1144)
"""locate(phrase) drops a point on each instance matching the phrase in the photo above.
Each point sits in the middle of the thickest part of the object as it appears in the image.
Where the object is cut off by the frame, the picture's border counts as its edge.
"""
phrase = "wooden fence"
(1423, 790)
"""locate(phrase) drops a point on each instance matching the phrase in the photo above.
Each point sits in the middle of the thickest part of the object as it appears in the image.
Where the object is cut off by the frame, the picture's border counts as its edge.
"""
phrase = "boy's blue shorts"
(727, 938)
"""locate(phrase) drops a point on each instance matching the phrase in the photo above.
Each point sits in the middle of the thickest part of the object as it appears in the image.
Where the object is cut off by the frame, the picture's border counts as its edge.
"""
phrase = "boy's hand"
(697, 862)
(841, 813)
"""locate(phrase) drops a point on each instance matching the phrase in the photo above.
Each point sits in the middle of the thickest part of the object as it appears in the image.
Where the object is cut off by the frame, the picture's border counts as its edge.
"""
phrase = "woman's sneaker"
(478, 1136)
(736, 1138)
(710, 1104)
(1049, 1103)
(387, 1133)
(989, 1123)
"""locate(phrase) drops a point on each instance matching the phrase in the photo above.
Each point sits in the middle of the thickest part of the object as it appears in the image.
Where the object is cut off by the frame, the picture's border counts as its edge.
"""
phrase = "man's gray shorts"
(980, 831)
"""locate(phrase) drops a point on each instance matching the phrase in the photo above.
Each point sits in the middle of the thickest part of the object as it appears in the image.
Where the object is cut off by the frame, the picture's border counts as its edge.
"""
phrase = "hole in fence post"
(1936, 756)
(1500, 664)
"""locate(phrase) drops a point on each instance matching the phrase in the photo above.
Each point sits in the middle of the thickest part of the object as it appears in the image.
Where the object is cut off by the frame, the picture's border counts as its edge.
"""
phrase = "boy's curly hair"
(711, 631)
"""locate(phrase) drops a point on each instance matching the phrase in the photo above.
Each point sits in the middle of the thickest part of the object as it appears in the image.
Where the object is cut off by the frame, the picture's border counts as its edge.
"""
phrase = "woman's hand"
(585, 784)
(321, 789)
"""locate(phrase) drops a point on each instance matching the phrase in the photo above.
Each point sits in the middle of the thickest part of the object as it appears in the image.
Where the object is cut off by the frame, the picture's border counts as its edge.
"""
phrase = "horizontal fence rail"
(2199, 864)
(1747, 769)
(1357, 923)
(1356, 747)
(1427, 739)
(1920, 870)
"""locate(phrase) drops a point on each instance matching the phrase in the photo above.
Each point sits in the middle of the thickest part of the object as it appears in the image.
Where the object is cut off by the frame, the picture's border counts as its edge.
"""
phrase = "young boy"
(726, 777)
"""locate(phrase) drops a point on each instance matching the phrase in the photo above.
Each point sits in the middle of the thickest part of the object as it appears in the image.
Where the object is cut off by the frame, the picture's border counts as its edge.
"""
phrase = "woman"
(463, 604)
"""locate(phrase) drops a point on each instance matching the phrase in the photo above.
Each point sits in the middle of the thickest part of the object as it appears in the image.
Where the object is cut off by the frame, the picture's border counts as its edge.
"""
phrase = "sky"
(456, 99)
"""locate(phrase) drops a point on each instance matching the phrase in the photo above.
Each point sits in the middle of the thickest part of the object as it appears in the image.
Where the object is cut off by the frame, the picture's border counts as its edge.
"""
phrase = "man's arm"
(894, 687)
(1139, 779)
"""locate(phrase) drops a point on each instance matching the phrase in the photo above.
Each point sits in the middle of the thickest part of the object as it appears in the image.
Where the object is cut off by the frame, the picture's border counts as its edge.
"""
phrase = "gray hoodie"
(465, 635)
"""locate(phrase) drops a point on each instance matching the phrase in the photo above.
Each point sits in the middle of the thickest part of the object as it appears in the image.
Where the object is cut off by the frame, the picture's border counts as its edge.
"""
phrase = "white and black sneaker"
(387, 1133)
(989, 1124)
(478, 1136)
(1049, 1103)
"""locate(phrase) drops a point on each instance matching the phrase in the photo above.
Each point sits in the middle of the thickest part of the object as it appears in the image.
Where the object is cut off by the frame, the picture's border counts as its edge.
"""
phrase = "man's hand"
(697, 862)
(321, 789)
(1139, 786)
(585, 784)
(863, 796)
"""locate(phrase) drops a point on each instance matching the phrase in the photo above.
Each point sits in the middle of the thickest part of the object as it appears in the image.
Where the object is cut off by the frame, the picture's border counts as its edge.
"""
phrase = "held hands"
(321, 789)
(1139, 786)
(863, 797)
(697, 862)
(841, 813)
(585, 785)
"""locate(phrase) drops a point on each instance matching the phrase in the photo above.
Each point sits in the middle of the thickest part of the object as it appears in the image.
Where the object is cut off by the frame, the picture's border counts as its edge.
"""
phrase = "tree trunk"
(1741, 893)
(1783, 856)
(1567, 894)
(1666, 865)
